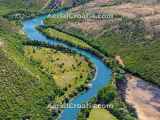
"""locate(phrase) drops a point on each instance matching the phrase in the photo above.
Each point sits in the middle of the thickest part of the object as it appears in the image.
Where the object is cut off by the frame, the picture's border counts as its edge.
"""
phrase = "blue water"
(102, 76)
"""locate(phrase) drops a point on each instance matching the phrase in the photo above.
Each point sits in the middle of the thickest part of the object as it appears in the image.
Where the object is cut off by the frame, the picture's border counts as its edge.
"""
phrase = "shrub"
(107, 94)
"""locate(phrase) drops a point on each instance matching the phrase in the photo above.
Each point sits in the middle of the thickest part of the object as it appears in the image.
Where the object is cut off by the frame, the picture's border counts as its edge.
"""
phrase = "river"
(102, 76)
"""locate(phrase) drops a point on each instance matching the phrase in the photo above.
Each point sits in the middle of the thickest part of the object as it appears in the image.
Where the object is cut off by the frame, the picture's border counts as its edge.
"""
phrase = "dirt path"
(119, 60)
(1, 44)
(144, 97)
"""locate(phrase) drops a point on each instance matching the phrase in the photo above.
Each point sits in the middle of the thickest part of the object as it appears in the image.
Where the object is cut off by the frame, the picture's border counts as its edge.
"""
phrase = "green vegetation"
(58, 19)
(55, 21)
(140, 55)
(29, 76)
(66, 68)
(112, 97)
(120, 109)
(25, 91)
(23, 96)
(64, 37)
(70, 71)
(100, 114)
(32, 77)
(9, 6)
(107, 94)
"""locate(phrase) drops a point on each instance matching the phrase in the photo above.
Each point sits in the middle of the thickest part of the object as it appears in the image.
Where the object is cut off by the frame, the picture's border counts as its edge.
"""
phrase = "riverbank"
(103, 73)
(50, 29)
(52, 33)
(66, 67)
(144, 97)
(81, 44)
(118, 76)
(118, 36)
(71, 72)
(25, 90)
(43, 99)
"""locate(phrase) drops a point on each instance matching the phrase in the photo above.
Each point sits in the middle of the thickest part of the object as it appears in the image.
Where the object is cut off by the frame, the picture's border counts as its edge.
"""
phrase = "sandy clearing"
(144, 97)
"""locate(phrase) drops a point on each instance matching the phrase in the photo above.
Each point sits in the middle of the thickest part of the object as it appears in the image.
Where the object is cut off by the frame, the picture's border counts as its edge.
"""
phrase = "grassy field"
(100, 114)
(64, 37)
(67, 69)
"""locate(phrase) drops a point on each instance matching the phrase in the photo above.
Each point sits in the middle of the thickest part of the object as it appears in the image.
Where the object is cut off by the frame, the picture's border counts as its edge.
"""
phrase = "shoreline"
(94, 51)
(103, 57)
(97, 54)
(74, 92)
(143, 96)
(101, 77)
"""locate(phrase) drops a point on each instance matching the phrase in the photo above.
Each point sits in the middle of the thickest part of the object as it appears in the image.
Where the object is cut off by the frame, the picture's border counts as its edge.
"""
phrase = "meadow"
(70, 71)
(101, 114)
(52, 33)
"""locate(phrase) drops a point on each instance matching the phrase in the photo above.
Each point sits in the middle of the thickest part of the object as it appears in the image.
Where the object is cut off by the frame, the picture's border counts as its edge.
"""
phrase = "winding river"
(102, 76)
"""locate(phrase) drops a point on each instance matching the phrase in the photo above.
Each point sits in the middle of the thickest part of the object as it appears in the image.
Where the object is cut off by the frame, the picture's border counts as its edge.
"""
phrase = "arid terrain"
(144, 97)
(149, 13)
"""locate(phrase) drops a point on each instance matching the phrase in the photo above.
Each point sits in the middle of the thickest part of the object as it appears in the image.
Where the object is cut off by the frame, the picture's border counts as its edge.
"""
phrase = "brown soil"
(144, 97)
(89, 26)
(150, 14)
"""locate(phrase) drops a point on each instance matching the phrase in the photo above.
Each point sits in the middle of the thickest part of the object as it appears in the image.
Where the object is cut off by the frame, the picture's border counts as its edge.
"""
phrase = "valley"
(46, 61)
